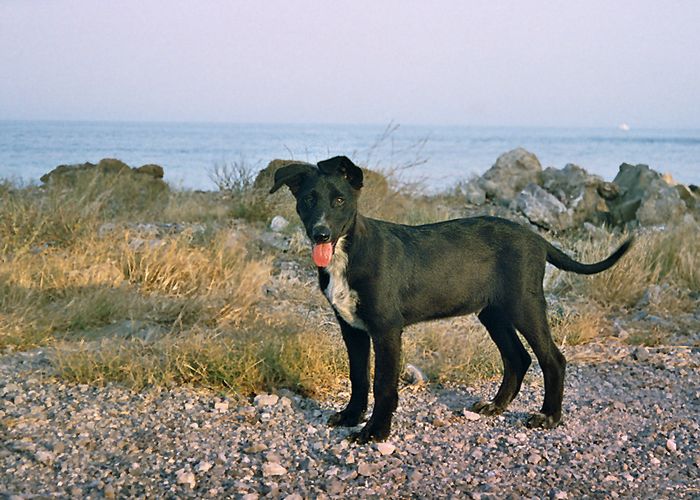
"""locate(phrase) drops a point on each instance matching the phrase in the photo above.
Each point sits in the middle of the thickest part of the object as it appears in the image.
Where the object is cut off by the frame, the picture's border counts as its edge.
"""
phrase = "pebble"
(273, 469)
(671, 445)
(386, 448)
(470, 415)
(187, 478)
(263, 400)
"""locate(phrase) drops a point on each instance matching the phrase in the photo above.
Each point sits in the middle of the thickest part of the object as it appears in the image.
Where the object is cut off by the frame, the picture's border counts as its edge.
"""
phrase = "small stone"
(278, 223)
(558, 495)
(203, 466)
(609, 478)
(534, 459)
(273, 469)
(654, 461)
(365, 469)
(250, 496)
(439, 422)
(470, 415)
(256, 448)
(335, 487)
(386, 448)
(641, 353)
(109, 492)
(43, 456)
(477, 454)
(186, 478)
(262, 400)
(221, 406)
(671, 445)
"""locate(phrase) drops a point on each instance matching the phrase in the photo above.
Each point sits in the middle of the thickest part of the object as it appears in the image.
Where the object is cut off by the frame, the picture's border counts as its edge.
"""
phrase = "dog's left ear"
(292, 176)
(343, 166)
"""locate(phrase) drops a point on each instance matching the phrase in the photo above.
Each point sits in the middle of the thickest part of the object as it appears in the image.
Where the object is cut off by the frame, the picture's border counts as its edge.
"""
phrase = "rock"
(335, 487)
(365, 469)
(473, 193)
(386, 448)
(203, 466)
(256, 448)
(186, 478)
(155, 171)
(644, 197)
(263, 400)
(671, 445)
(687, 196)
(44, 456)
(543, 209)
(577, 190)
(413, 376)
(221, 406)
(273, 469)
(109, 491)
(510, 174)
(278, 223)
(135, 189)
(641, 353)
(470, 415)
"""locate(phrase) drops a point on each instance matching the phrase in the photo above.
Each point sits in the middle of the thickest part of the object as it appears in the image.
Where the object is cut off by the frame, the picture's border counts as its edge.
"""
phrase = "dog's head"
(326, 197)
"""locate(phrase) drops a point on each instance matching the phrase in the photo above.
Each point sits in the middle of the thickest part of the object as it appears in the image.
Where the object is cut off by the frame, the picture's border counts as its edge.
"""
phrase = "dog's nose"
(321, 234)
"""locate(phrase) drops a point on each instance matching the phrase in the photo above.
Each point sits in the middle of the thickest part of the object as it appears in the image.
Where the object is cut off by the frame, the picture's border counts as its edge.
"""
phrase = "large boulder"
(645, 197)
(543, 209)
(113, 185)
(510, 174)
(579, 191)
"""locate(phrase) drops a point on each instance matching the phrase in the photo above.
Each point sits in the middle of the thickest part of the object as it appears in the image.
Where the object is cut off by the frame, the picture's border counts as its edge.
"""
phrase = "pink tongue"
(322, 254)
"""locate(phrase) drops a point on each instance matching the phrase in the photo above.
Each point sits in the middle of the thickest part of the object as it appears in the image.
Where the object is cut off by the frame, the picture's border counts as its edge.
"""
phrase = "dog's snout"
(321, 234)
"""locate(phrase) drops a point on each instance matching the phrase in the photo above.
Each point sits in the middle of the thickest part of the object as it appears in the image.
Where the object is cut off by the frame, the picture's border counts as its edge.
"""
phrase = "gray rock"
(578, 190)
(510, 174)
(543, 209)
(645, 197)
(474, 193)
(278, 223)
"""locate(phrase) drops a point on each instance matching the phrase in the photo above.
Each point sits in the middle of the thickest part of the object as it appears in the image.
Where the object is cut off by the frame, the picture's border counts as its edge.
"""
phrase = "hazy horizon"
(513, 64)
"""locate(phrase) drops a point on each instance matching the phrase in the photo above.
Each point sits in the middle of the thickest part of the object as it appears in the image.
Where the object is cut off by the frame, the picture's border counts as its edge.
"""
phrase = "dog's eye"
(338, 202)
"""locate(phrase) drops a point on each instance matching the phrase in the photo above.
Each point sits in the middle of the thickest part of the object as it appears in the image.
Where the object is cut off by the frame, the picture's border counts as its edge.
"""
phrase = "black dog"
(380, 277)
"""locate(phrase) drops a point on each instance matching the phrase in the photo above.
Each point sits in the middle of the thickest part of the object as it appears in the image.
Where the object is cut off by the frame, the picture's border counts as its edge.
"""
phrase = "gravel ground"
(631, 429)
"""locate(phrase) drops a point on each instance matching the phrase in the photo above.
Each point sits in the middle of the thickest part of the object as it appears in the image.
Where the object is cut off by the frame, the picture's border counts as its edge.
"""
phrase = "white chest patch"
(338, 292)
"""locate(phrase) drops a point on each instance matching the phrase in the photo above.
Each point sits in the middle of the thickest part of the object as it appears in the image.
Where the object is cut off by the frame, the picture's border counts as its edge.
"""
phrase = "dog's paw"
(370, 433)
(542, 421)
(488, 408)
(345, 418)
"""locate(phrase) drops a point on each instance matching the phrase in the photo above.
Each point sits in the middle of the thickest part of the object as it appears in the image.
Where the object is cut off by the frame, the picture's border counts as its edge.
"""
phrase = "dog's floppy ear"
(292, 176)
(342, 165)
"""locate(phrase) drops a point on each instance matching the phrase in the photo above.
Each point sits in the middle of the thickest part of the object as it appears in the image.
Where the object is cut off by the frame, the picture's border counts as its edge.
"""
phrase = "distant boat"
(624, 127)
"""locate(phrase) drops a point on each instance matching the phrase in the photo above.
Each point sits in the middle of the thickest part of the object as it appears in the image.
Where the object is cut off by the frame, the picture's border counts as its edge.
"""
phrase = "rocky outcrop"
(510, 174)
(558, 199)
(645, 197)
(113, 185)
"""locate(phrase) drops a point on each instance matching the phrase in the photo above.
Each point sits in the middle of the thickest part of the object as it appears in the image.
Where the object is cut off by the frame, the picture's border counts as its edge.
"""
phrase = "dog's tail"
(566, 263)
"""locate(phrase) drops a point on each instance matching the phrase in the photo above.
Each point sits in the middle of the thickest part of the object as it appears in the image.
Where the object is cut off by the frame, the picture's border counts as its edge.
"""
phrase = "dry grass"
(670, 256)
(197, 298)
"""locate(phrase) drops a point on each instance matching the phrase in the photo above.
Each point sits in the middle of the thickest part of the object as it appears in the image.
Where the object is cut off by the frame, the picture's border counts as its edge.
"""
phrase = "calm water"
(445, 154)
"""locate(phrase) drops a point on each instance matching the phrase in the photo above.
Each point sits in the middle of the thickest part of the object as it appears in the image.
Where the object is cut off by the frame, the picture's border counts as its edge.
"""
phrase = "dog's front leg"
(357, 344)
(387, 356)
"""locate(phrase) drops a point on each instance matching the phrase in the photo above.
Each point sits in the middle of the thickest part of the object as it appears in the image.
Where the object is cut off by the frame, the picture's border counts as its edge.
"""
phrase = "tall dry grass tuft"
(670, 255)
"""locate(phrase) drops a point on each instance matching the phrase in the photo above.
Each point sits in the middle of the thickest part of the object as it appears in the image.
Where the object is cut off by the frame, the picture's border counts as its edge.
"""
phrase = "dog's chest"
(338, 292)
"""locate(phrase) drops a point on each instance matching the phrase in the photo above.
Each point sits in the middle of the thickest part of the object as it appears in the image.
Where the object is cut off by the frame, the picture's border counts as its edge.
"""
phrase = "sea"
(435, 158)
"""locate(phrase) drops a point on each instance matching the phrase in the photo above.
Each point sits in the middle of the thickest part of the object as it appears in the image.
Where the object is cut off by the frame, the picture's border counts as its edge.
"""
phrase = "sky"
(495, 63)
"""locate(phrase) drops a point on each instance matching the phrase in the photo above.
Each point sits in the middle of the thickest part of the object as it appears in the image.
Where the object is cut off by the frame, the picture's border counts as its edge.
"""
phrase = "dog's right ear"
(292, 176)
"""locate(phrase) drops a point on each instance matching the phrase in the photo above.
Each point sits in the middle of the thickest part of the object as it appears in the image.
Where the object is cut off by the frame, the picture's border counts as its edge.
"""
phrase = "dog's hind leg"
(531, 321)
(515, 358)
(357, 343)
